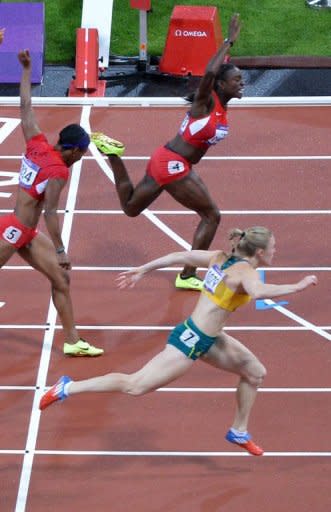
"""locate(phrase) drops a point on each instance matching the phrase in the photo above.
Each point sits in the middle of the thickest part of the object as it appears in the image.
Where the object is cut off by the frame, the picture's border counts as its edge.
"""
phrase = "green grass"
(270, 27)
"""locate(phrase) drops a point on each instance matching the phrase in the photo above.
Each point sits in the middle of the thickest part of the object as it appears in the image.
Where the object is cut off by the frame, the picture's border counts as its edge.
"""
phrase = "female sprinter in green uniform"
(231, 281)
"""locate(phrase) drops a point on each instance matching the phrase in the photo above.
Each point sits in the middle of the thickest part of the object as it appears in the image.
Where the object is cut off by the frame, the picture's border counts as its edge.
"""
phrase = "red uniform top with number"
(40, 164)
(202, 132)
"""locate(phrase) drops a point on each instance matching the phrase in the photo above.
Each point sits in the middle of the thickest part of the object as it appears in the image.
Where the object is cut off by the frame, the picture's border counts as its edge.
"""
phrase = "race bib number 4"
(12, 234)
(213, 278)
(28, 173)
(175, 167)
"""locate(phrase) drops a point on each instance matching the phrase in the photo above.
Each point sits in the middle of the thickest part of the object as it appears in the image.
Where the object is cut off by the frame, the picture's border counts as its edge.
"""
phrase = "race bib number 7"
(28, 173)
(189, 338)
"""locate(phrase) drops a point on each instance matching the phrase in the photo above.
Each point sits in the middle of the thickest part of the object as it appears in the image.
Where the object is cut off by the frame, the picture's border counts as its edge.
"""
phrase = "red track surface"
(282, 422)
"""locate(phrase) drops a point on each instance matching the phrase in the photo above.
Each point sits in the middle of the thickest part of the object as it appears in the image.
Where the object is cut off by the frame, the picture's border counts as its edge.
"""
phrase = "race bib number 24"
(28, 173)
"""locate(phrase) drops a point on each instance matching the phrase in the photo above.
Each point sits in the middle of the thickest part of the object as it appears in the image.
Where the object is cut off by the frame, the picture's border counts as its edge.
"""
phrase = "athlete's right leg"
(40, 254)
(133, 199)
(165, 367)
(229, 354)
(192, 193)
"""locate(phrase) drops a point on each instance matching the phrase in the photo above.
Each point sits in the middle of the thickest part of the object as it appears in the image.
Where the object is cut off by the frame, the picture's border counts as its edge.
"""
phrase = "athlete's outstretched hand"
(2, 34)
(234, 28)
(306, 281)
(129, 278)
(24, 58)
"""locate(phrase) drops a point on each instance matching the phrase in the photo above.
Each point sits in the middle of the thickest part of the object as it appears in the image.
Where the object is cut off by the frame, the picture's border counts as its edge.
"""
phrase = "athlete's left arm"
(259, 290)
(51, 201)
(195, 258)
(29, 124)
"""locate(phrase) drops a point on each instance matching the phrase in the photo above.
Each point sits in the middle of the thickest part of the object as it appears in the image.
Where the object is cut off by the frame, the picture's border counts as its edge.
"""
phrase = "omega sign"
(190, 33)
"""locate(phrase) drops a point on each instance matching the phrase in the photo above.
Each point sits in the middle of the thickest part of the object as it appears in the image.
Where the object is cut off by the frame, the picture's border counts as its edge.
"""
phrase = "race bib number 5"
(12, 234)
(28, 173)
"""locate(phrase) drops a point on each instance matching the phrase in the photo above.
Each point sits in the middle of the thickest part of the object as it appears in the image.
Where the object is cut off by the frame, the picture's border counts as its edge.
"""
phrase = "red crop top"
(202, 132)
(40, 163)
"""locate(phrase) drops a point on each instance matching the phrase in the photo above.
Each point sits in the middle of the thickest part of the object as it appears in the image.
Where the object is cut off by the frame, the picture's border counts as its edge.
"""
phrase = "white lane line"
(233, 390)
(17, 388)
(172, 269)
(47, 343)
(163, 454)
(199, 390)
(190, 212)
(181, 454)
(247, 212)
(299, 319)
(8, 126)
(162, 327)
(86, 453)
(244, 157)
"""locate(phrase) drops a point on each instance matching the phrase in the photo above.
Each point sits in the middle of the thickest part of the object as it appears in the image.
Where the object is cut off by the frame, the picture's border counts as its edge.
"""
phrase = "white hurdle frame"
(98, 14)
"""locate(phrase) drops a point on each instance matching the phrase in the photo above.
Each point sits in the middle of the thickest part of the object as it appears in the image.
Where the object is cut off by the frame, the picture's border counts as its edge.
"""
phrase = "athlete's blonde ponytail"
(248, 241)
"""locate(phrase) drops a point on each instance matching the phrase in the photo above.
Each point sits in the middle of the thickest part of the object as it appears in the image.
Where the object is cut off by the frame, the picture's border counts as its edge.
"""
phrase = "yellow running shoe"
(106, 145)
(189, 283)
(81, 349)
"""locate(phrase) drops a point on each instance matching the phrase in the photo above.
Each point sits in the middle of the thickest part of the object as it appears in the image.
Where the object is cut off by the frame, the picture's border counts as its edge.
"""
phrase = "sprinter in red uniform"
(44, 173)
(170, 166)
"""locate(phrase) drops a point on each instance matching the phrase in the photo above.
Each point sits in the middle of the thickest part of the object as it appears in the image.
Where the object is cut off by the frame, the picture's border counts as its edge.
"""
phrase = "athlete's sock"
(238, 432)
(66, 388)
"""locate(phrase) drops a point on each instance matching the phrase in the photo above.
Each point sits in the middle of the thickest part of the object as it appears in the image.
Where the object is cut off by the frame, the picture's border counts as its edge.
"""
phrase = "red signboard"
(143, 5)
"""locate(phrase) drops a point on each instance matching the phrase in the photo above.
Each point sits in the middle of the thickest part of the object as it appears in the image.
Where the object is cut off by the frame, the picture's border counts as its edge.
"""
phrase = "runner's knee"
(61, 281)
(216, 216)
(132, 210)
(136, 386)
(212, 216)
(256, 373)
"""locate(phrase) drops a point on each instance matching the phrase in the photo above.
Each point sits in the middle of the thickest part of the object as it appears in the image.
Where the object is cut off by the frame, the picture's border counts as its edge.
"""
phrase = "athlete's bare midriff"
(186, 150)
(209, 317)
(28, 209)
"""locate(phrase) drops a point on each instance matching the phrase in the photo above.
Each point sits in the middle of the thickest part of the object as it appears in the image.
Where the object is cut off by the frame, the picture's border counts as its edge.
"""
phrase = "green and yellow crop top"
(217, 291)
